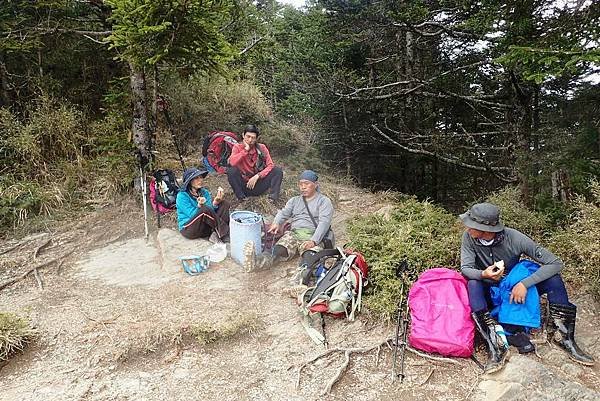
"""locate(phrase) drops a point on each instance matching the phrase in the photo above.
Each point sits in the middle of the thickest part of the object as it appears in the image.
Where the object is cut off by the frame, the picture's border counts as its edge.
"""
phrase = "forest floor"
(118, 320)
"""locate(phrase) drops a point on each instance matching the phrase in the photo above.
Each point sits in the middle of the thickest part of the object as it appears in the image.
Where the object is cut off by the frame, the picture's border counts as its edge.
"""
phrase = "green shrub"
(51, 131)
(293, 145)
(579, 244)
(515, 214)
(15, 334)
(55, 158)
(203, 104)
(421, 233)
(19, 199)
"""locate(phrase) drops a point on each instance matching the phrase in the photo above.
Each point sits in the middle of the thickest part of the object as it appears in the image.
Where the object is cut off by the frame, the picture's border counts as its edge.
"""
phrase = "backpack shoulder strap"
(312, 218)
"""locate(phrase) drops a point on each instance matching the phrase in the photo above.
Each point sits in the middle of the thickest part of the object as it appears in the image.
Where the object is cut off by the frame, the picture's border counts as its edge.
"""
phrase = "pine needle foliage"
(419, 232)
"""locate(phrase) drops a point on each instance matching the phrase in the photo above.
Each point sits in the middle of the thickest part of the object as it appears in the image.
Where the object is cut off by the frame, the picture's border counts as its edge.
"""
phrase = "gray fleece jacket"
(476, 257)
(321, 208)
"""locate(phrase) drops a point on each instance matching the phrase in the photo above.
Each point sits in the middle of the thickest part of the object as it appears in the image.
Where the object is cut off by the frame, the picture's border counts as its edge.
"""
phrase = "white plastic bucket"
(244, 226)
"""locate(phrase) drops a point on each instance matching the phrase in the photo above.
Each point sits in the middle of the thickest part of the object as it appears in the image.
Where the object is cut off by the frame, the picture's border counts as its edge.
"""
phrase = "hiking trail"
(118, 319)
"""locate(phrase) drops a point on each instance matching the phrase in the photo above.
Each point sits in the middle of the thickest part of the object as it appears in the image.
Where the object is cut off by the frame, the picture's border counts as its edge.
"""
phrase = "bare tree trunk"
(4, 87)
(561, 185)
(410, 62)
(347, 150)
(40, 69)
(139, 125)
(154, 119)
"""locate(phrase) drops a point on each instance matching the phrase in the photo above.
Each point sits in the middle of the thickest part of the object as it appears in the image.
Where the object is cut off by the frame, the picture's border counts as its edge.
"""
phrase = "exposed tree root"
(33, 269)
(349, 351)
(39, 248)
(24, 241)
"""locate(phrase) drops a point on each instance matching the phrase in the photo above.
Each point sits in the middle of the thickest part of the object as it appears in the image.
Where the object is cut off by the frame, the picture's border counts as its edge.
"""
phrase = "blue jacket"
(187, 206)
(526, 314)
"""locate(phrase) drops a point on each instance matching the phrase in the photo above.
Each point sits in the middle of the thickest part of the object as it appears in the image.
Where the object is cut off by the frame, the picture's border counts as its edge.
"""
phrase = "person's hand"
(492, 273)
(518, 294)
(309, 244)
(273, 228)
(252, 181)
(201, 201)
(219, 196)
(246, 146)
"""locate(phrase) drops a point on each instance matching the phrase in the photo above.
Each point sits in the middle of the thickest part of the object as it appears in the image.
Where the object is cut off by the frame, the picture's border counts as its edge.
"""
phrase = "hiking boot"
(253, 262)
(561, 331)
(249, 256)
(497, 349)
(264, 261)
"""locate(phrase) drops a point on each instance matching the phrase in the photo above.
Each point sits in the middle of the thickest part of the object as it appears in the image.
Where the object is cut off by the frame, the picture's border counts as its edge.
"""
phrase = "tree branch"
(251, 45)
(446, 159)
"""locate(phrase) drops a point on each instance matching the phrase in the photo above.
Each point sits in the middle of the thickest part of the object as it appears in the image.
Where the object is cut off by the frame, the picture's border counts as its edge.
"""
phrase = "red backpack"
(216, 149)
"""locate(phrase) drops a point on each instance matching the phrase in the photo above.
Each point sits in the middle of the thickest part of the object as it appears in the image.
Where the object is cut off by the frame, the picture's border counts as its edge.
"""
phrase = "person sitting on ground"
(310, 214)
(198, 214)
(252, 172)
(486, 242)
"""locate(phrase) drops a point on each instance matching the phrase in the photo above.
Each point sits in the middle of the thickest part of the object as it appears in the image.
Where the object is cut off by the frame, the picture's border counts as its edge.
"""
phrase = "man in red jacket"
(252, 171)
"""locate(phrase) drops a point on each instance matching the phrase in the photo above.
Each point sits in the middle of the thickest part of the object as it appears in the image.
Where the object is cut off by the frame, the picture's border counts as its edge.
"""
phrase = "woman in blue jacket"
(198, 214)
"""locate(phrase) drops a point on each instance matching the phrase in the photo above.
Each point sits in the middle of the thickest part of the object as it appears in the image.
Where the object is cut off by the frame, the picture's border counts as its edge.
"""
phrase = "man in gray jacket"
(310, 215)
(489, 250)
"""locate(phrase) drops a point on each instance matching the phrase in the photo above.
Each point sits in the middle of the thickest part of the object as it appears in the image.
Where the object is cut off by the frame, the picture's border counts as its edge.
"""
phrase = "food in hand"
(499, 265)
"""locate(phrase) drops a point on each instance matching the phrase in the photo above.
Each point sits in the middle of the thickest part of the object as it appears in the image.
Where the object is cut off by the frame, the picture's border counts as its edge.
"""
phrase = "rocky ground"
(118, 320)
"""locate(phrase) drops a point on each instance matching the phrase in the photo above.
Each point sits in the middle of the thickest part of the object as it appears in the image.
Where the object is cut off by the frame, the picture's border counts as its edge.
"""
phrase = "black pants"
(207, 221)
(272, 181)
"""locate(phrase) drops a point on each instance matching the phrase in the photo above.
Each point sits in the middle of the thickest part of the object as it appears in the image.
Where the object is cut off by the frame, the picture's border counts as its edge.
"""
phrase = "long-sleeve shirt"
(320, 207)
(246, 160)
(187, 206)
(476, 257)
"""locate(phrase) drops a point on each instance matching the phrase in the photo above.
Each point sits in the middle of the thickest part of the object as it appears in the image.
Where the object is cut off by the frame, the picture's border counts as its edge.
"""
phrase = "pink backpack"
(440, 313)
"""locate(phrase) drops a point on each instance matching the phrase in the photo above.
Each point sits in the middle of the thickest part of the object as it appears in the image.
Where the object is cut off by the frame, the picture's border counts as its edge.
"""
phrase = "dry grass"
(240, 324)
(15, 334)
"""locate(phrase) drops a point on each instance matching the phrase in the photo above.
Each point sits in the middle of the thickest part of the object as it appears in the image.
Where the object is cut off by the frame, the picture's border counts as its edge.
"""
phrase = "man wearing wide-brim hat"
(489, 251)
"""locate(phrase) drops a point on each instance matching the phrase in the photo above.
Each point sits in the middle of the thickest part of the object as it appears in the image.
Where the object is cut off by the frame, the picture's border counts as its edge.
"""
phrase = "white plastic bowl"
(217, 252)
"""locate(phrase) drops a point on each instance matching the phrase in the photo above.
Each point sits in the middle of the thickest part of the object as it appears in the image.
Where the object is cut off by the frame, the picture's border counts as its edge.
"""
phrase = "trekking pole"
(404, 335)
(400, 320)
(325, 343)
(144, 199)
(397, 336)
(163, 106)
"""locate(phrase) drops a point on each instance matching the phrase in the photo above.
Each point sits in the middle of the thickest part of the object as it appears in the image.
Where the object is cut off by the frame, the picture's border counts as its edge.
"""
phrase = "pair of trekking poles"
(162, 106)
(401, 324)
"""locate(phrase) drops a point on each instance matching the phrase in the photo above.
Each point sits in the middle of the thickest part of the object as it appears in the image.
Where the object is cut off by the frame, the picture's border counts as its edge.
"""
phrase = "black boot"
(562, 320)
(497, 350)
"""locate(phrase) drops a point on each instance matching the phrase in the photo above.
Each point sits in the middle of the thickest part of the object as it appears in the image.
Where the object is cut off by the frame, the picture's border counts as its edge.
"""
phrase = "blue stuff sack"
(194, 264)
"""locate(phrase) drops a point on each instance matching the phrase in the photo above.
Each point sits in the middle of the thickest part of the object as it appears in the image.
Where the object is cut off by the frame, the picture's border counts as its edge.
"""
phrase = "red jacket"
(246, 161)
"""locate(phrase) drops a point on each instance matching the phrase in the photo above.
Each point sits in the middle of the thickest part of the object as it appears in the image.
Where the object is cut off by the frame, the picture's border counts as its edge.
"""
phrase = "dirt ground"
(124, 330)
